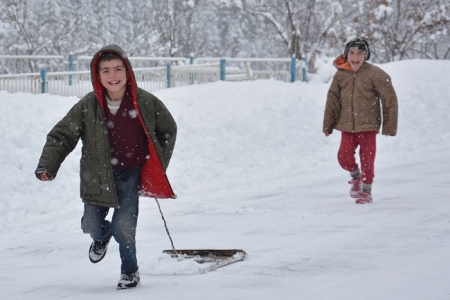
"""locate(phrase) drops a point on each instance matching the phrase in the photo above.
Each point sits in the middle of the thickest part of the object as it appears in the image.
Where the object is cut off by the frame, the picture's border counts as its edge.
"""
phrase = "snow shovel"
(215, 258)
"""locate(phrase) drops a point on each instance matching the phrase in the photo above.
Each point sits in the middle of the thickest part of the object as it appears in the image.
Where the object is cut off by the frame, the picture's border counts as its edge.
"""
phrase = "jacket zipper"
(353, 103)
(111, 175)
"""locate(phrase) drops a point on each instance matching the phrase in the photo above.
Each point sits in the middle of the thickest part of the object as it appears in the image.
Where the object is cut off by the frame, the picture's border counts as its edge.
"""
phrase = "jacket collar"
(342, 64)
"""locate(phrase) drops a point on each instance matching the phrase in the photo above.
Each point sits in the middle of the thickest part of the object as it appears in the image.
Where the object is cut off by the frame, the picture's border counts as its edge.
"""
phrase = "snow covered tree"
(395, 29)
(40, 27)
(402, 29)
(304, 27)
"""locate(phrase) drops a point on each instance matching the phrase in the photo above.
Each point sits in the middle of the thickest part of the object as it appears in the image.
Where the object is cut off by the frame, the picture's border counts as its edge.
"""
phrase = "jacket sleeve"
(389, 104)
(165, 132)
(333, 106)
(61, 141)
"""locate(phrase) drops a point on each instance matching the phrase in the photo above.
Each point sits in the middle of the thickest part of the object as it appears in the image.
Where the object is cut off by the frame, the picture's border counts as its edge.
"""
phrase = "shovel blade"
(215, 258)
(190, 253)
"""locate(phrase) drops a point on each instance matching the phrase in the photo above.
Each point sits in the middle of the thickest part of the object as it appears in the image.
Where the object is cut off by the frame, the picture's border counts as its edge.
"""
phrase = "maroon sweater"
(127, 138)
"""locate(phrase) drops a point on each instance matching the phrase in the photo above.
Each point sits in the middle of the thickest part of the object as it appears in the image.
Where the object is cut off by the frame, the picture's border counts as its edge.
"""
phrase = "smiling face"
(113, 76)
(356, 58)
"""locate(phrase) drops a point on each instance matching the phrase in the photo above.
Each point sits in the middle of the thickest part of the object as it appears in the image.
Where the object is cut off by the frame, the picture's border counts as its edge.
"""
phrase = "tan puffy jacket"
(361, 101)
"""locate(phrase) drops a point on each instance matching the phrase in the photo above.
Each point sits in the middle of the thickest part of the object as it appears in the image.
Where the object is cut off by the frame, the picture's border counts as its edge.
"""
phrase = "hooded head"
(359, 43)
(108, 53)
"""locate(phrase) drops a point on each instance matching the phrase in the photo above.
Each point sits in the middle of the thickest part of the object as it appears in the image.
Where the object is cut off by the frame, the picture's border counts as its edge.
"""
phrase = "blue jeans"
(124, 220)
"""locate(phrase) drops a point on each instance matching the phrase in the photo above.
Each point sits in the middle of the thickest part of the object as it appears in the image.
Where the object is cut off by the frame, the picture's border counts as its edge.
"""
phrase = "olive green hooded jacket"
(86, 121)
(361, 101)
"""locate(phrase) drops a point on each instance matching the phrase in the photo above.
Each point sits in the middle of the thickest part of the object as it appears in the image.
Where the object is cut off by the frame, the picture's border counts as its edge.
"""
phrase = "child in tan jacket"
(360, 100)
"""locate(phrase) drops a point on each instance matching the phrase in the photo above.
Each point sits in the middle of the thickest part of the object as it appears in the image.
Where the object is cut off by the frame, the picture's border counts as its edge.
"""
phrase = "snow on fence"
(283, 69)
(83, 62)
(19, 64)
(79, 83)
(176, 72)
(28, 82)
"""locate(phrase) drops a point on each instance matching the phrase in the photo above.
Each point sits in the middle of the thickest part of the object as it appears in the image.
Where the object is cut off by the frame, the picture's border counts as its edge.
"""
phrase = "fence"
(176, 72)
(83, 62)
(19, 64)
(79, 83)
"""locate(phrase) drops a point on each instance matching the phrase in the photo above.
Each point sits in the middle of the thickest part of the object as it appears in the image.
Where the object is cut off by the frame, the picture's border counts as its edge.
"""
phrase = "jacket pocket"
(90, 178)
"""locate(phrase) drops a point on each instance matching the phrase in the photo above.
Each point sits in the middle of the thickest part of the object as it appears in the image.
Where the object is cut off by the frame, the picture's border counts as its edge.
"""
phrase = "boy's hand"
(44, 176)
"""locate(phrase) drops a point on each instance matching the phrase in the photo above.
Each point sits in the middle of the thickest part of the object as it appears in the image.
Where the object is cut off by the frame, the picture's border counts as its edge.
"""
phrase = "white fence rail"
(256, 68)
(165, 72)
(83, 62)
(19, 64)
(79, 83)
(29, 83)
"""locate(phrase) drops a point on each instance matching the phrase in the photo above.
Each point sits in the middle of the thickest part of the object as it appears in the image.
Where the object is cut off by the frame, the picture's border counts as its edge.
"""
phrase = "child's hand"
(44, 176)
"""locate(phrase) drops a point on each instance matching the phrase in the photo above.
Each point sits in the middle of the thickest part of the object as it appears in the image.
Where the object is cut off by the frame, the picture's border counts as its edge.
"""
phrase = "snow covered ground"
(253, 171)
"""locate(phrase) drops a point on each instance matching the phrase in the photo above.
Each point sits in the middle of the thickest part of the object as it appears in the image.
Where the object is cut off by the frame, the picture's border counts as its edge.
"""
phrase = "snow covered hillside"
(252, 170)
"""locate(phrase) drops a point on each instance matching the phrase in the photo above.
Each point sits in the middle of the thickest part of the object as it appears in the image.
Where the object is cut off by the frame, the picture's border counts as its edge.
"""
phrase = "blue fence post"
(304, 69)
(169, 75)
(222, 68)
(44, 81)
(293, 69)
(191, 76)
(70, 67)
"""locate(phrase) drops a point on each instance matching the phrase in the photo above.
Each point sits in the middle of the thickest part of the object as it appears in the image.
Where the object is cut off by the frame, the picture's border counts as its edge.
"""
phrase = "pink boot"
(364, 197)
(355, 190)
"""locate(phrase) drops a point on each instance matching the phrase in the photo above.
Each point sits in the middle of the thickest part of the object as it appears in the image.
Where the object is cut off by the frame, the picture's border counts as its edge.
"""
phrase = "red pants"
(367, 150)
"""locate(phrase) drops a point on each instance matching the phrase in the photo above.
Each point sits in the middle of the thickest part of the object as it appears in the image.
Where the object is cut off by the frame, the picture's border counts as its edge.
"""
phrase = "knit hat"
(360, 44)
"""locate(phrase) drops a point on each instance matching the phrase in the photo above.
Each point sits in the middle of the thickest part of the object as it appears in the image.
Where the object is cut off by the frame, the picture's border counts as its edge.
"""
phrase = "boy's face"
(356, 58)
(113, 76)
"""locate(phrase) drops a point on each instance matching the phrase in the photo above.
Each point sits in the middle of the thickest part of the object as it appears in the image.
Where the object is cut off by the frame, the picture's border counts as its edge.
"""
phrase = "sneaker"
(355, 190)
(128, 281)
(364, 197)
(98, 250)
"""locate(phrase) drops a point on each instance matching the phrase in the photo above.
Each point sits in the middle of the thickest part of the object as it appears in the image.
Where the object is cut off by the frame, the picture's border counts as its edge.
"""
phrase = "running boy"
(128, 137)
(361, 98)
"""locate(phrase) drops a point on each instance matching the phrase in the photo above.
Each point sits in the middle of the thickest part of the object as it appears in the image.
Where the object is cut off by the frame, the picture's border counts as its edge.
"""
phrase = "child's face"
(113, 76)
(356, 58)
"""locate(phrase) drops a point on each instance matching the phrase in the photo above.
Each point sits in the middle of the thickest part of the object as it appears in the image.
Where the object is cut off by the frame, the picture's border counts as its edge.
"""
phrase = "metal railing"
(256, 68)
(82, 62)
(19, 64)
(176, 72)
(79, 83)
(27, 83)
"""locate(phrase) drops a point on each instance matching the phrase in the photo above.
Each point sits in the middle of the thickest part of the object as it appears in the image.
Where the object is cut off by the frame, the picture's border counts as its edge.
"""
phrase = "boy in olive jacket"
(361, 98)
(128, 138)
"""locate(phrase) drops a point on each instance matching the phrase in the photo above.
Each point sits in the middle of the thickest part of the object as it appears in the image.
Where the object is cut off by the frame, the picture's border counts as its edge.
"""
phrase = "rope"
(174, 254)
